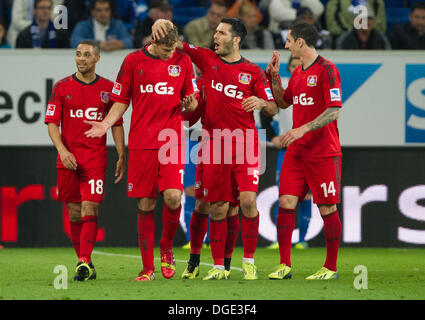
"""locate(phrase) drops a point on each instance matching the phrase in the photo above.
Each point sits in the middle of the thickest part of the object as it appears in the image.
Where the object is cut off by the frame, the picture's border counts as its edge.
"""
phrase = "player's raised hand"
(159, 28)
(189, 102)
(119, 170)
(274, 64)
(97, 130)
(292, 135)
(253, 103)
(68, 160)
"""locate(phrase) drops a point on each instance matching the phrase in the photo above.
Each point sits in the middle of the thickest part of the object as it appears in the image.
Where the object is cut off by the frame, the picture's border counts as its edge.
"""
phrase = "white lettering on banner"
(159, 88)
(417, 98)
(353, 201)
(230, 90)
(408, 205)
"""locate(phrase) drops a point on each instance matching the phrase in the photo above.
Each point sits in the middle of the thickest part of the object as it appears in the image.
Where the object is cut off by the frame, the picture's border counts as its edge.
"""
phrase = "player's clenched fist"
(97, 130)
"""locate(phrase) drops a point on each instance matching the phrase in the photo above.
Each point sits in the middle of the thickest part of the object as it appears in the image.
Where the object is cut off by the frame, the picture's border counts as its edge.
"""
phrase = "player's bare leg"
(285, 226)
(89, 216)
(170, 224)
(332, 229)
(218, 236)
(146, 237)
(249, 231)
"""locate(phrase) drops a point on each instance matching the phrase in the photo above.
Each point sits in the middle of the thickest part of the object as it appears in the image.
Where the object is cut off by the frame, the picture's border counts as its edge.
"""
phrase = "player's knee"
(173, 199)
(248, 203)
(74, 211)
(202, 206)
(89, 209)
(219, 210)
(326, 209)
(287, 202)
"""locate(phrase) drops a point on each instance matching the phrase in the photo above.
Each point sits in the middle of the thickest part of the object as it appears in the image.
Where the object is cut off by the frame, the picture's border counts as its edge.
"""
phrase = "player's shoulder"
(133, 55)
(325, 63)
(105, 81)
(182, 56)
(63, 81)
(251, 66)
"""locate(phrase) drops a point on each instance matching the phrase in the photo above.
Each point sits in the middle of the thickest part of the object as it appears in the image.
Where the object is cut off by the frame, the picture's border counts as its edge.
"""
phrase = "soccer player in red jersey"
(313, 157)
(199, 218)
(155, 79)
(235, 87)
(81, 162)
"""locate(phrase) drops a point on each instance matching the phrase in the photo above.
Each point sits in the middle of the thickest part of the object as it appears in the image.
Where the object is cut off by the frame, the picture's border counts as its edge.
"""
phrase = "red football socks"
(170, 224)
(146, 236)
(76, 227)
(332, 228)
(198, 229)
(249, 231)
(232, 235)
(88, 237)
(218, 236)
(285, 226)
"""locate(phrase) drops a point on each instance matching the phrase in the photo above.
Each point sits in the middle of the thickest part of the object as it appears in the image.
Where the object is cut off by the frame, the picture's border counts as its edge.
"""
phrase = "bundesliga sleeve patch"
(50, 110)
(117, 88)
(195, 85)
(335, 94)
(269, 93)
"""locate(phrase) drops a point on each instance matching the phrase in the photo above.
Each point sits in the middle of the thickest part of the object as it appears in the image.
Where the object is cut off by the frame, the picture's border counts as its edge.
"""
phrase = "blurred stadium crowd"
(126, 24)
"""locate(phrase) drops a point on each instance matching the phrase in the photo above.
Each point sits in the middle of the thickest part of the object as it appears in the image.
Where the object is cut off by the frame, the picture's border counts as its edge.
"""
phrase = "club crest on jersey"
(117, 88)
(104, 96)
(130, 187)
(50, 110)
(245, 78)
(174, 71)
(312, 81)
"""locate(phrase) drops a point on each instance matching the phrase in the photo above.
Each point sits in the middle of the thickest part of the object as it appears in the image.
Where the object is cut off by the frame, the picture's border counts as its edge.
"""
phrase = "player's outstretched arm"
(273, 71)
(118, 135)
(326, 117)
(160, 29)
(67, 158)
(99, 128)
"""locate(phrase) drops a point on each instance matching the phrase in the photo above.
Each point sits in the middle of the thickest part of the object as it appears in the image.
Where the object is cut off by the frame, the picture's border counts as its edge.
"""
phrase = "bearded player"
(155, 79)
(313, 157)
(81, 161)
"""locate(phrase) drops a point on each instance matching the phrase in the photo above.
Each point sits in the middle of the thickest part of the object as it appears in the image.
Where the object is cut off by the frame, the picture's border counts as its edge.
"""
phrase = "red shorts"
(83, 184)
(150, 170)
(224, 181)
(322, 176)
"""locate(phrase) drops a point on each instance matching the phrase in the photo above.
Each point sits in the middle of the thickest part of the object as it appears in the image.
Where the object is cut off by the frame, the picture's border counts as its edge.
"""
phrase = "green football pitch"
(364, 274)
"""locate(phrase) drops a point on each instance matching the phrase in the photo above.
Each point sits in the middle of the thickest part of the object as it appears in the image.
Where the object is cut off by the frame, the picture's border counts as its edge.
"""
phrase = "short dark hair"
(305, 31)
(238, 28)
(93, 43)
(418, 5)
(36, 2)
(93, 3)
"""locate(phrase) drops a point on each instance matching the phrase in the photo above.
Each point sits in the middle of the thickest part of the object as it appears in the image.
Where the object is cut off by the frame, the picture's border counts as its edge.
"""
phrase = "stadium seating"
(412, 2)
(395, 3)
(182, 15)
(397, 15)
